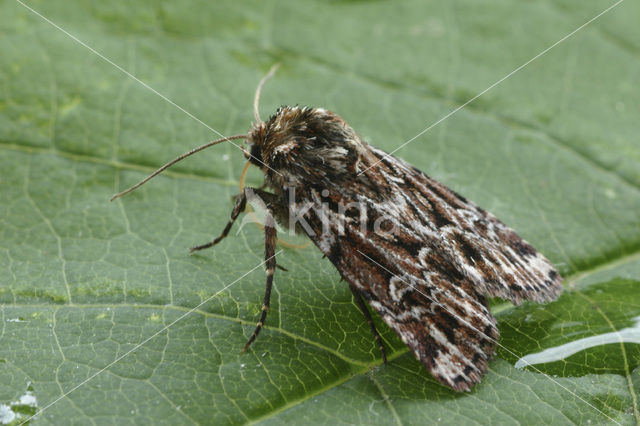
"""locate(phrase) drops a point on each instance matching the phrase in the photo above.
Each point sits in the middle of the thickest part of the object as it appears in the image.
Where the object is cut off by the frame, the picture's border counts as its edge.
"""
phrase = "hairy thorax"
(298, 145)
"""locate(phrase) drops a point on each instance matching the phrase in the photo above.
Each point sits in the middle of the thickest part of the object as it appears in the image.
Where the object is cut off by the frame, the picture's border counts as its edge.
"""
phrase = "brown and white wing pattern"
(490, 254)
(430, 263)
(430, 305)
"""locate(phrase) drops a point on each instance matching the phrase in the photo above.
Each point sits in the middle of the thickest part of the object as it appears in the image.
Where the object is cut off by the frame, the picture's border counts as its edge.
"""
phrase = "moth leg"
(241, 203)
(367, 315)
(270, 239)
(274, 204)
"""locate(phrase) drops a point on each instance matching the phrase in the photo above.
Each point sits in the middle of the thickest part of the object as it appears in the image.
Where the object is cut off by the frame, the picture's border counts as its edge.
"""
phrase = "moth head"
(255, 140)
(274, 143)
(302, 144)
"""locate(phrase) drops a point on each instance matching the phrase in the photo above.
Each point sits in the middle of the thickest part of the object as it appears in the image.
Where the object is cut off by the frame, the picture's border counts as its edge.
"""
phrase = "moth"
(422, 256)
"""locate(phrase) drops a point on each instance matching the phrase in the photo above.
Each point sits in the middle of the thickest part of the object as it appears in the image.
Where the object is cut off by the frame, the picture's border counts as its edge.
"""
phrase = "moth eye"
(256, 155)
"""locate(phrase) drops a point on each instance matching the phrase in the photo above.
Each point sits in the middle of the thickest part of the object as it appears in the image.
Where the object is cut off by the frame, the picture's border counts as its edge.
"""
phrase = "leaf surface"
(552, 150)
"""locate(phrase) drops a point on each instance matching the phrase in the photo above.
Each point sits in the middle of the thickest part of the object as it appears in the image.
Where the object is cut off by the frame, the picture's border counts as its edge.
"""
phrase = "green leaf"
(552, 150)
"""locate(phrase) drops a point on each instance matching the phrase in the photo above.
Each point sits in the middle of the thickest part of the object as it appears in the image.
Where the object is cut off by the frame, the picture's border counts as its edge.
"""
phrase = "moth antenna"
(174, 161)
(243, 176)
(256, 99)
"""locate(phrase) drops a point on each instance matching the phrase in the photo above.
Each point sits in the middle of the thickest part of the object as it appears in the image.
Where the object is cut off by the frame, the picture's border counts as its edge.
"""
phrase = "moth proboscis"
(423, 257)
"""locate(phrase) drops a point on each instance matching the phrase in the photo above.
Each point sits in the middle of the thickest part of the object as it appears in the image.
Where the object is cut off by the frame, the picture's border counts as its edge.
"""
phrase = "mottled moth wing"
(485, 250)
(432, 307)
(429, 263)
